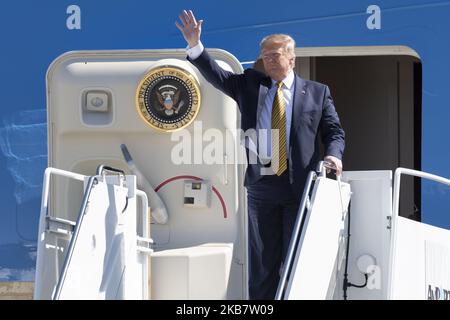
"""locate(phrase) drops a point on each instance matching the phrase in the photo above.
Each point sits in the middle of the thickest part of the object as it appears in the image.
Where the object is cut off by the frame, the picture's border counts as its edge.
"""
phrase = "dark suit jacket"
(313, 112)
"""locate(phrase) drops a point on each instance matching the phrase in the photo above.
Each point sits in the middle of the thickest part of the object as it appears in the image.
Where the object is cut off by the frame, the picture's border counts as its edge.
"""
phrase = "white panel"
(318, 249)
(371, 205)
(103, 250)
(421, 261)
(200, 272)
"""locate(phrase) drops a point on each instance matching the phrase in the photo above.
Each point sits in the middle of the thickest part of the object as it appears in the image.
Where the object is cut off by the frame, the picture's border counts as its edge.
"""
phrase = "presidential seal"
(168, 98)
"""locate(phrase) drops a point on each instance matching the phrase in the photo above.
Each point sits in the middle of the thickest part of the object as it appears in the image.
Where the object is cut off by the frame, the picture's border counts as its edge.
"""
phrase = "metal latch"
(143, 245)
(59, 226)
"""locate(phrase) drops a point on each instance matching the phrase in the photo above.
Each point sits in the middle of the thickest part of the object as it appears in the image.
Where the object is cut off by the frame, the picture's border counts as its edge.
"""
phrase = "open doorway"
(377, 94)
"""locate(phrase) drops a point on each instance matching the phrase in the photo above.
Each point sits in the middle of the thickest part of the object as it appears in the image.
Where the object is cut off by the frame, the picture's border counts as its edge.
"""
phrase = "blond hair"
(286, 40)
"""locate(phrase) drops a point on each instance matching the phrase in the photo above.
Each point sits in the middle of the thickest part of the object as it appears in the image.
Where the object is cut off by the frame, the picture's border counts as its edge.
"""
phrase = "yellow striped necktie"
(279, 124)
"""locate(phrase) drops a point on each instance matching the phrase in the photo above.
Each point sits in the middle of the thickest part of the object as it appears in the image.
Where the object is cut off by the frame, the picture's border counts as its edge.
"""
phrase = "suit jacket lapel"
(297, 104)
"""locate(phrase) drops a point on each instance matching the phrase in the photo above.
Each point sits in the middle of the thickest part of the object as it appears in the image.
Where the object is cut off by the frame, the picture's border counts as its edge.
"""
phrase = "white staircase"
(102, 255)
(381, 256)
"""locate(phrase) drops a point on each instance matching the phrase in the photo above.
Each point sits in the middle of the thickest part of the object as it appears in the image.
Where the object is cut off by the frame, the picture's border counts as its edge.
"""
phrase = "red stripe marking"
(224, 208)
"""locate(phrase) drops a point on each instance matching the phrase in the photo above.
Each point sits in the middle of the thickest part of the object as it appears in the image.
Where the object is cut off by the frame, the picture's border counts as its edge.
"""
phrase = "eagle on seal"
(168, 101)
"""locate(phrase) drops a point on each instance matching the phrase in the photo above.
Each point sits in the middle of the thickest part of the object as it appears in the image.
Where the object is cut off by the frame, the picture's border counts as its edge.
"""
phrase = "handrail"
(395, 209)
(415, 173)
(145, 237)
(91, 182)
(44, 200)
(296, 233)
(144, 203)
(321, 171)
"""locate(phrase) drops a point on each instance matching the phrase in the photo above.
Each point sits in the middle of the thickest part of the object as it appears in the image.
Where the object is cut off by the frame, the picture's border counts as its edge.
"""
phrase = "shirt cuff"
(195, 52)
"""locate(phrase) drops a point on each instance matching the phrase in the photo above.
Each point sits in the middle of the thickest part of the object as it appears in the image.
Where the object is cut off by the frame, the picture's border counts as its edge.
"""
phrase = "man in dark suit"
(293, 114)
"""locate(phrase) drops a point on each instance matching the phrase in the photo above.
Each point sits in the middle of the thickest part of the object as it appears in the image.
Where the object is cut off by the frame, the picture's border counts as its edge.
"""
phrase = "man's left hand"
(337, 164)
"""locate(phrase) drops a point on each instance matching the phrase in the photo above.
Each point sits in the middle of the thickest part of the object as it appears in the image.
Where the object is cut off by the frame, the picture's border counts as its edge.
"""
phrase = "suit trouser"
(272, 210)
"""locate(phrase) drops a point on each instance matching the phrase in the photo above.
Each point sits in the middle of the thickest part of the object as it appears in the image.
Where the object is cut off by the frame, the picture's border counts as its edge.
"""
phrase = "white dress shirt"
(196, 51)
